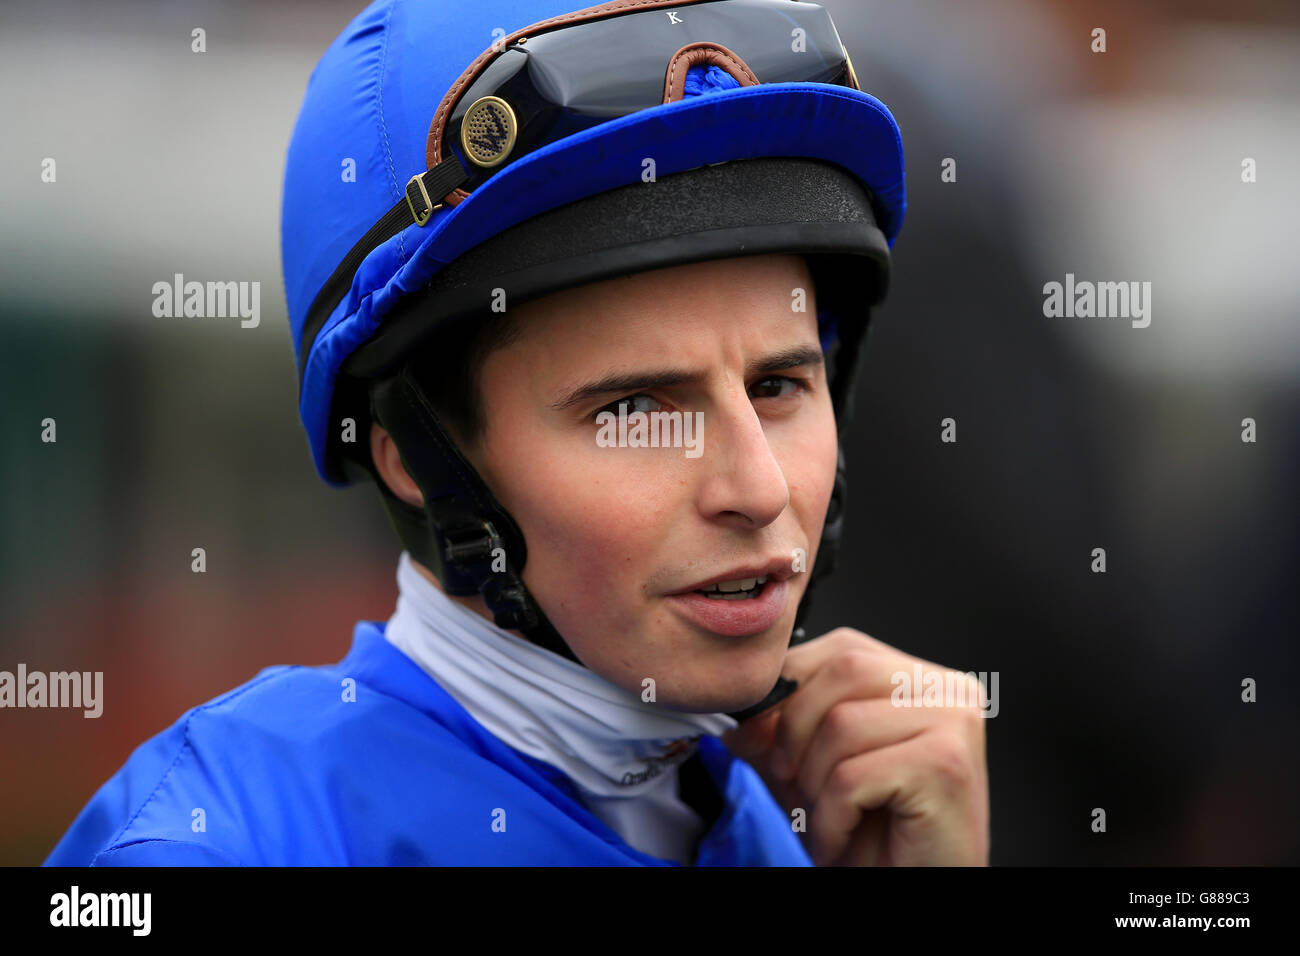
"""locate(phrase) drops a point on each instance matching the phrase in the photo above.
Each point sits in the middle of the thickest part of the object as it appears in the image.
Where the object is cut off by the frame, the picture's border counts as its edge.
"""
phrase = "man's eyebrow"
(792, 357)
(628, 382)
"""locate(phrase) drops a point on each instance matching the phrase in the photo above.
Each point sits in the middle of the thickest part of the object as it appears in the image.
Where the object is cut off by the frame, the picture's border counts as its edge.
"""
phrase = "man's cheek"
(811, 477)
(584, 571)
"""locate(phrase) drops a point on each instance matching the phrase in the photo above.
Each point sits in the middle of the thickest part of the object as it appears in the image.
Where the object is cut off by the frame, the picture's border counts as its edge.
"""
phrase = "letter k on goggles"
(572, 72)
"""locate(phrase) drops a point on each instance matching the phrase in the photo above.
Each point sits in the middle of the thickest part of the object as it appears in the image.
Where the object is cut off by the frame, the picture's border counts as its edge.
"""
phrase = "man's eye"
(632, 403)
(775, 387)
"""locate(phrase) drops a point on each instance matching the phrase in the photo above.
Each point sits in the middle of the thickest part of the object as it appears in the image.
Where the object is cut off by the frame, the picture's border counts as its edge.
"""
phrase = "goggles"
(558, 77)
(560, 81)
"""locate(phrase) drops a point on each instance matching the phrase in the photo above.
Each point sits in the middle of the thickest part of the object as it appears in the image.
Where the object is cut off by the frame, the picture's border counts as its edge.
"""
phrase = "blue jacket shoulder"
(297, 766)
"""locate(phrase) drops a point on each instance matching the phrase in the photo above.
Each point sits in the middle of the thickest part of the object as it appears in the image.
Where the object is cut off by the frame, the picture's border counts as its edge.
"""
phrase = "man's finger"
(853, 727)
(871, 781)
(852, 671)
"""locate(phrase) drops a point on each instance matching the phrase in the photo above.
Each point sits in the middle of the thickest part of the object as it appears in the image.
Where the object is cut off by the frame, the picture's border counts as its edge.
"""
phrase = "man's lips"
(742, 617)
(776, 569)
(738, 617)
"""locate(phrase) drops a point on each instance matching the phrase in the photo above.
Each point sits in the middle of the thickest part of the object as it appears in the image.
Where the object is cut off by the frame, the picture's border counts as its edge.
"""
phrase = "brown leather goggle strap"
(433, 147)
(694, 54)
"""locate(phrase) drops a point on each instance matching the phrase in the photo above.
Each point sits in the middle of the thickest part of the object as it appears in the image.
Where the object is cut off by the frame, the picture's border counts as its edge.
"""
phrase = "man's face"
(618, 537)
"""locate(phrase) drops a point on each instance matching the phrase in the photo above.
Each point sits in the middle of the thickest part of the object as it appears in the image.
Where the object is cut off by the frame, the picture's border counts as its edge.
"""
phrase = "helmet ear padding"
(462, 534)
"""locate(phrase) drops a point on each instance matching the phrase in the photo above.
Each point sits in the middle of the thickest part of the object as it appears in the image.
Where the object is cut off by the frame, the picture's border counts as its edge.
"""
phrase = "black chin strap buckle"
(474, 549)
(508, 600)
(478, 552)
(783, 689)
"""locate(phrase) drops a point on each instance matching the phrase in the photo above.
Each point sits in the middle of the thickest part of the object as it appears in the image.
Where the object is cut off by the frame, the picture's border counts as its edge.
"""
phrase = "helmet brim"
(739, 208)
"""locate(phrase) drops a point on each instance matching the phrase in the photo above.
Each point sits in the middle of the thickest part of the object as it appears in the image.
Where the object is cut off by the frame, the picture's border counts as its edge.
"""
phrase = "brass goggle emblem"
(488, 131)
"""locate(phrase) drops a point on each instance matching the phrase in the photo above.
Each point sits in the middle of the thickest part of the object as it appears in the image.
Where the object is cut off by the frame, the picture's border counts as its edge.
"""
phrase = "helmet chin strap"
(462, 534)
(472, 544)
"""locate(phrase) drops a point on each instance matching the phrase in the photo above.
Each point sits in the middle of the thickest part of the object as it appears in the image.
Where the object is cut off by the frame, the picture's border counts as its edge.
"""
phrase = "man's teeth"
(734, 590)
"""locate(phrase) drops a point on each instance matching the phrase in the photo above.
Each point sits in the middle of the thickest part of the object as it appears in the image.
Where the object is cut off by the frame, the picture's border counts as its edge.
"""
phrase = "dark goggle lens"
(563, 81)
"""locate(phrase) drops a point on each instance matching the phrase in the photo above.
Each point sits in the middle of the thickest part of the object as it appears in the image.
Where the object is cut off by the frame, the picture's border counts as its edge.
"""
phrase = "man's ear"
(388, 462)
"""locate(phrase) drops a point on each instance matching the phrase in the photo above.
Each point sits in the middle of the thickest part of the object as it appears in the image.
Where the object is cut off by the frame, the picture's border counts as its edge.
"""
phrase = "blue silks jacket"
(370, 762)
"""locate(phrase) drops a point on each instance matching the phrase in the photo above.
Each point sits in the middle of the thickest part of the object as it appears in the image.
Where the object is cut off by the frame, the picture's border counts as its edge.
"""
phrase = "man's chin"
(736, 682)
(739, 695)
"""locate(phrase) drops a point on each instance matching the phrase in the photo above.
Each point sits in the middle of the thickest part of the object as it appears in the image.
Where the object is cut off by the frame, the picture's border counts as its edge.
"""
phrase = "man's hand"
(882, 785)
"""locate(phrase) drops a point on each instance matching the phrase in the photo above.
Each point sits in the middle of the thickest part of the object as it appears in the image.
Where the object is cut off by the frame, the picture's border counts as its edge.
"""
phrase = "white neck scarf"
(620, 751)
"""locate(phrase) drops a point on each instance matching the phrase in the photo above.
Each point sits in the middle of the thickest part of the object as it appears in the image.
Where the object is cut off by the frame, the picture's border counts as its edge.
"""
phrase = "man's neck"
(475, 603)
(621, 752)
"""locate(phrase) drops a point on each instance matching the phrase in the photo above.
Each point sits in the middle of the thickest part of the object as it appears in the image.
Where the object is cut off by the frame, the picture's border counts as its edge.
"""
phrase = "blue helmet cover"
(362, 131)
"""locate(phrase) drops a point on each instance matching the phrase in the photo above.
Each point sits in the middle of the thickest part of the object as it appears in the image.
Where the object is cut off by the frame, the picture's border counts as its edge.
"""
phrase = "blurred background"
(1119, 690)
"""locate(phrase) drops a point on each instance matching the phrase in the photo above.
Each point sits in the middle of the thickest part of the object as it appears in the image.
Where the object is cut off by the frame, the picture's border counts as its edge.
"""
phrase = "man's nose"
(743, 483)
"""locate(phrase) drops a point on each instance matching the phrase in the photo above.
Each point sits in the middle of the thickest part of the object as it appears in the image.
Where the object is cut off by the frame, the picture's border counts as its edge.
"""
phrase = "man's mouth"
(739, 607)
(740, 601)
(738, 590)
